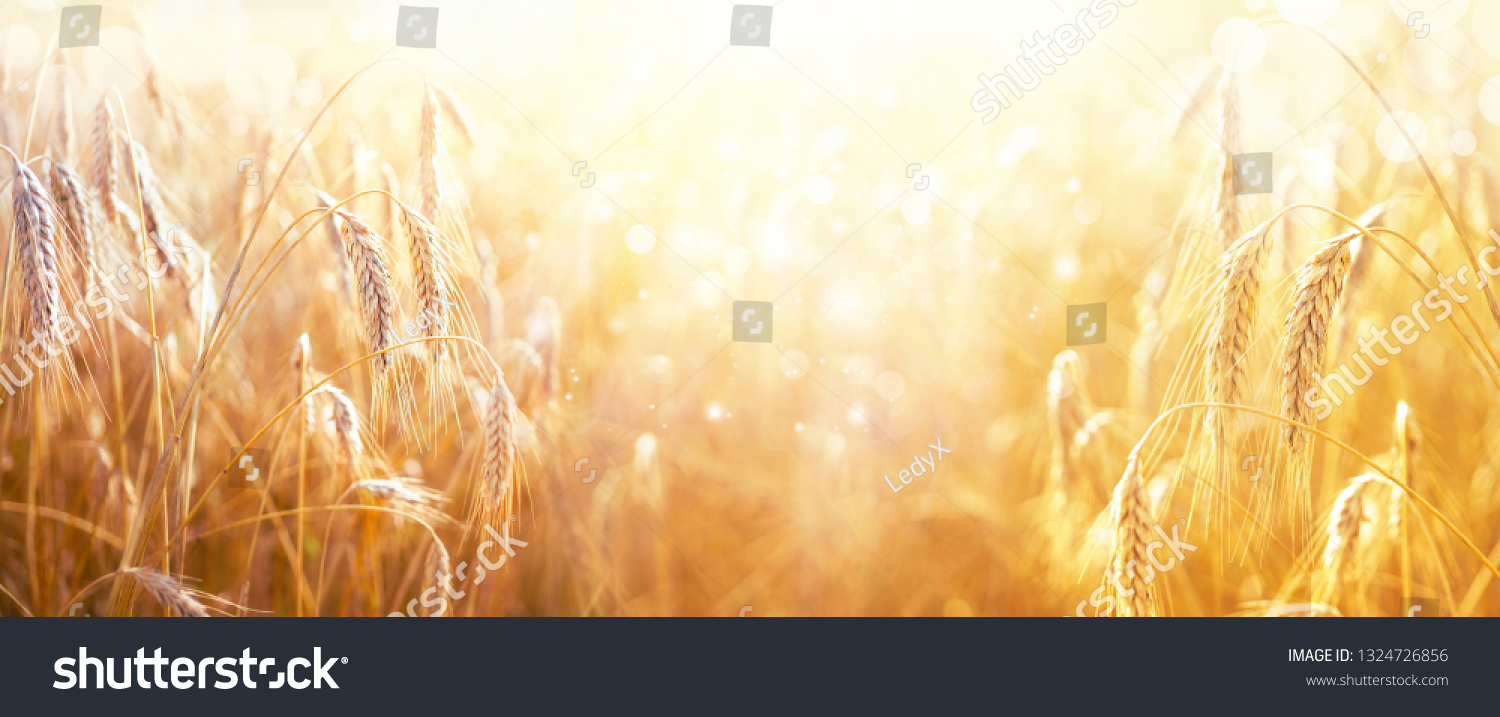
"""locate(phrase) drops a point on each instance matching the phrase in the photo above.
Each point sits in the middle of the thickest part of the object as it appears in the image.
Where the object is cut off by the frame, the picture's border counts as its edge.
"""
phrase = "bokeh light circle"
(1393, 143)
(1239, 44)
(820, 189)
(640, 239)
(1307, 12)
(261, 78)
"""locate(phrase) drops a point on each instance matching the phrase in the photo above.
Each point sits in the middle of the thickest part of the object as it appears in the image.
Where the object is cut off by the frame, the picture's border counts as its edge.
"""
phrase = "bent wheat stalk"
(167, 591)
(430, 276)
(372, 278)
(1234, 305)
(1320, 282)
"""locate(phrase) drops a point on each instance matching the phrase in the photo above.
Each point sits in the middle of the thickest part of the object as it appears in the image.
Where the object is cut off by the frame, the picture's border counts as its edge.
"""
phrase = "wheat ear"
(405, 494)
(36, 254)
(167, 591)
(1343, 525)
(153, 210)
(1065, 416)
(343, 418)
(429, 158)
(103, 171)
(1226, 210)
(1234, 304)
(498, 472)
(392, 187)
(67, 142)
(458, 112)
(78, 215)
(430, 278)
(1132, 523)
(372, 278)
(302, 376)
(1319, 284)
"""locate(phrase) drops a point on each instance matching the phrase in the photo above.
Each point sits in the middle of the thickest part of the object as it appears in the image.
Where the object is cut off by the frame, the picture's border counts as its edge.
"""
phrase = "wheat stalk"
(7, 126)
(334, 230)
(1143, 351)
(1343, 527)
(429, 157)
(167, 591)
(1408, 441)
(302, 373)
(1132, 528)
(1065, 415)
(458, 112)
(393, 188)
(153, 210)
(429, 276)
(438, 565)
(78, 215)
(104, 174)
(407, 494)
(372, 277)
(1226, 210)
(546, 335)
(343, 419)
(1362, 252)
(36, 254)
(67, 143)
(1233, 306)
(1319, 283)
(399, 489)
(359, 167)
(498, 470)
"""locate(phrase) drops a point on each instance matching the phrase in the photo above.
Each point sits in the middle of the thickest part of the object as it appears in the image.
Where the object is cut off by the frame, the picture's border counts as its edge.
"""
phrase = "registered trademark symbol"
(344, 660)
(1182, 522)
(513, 517)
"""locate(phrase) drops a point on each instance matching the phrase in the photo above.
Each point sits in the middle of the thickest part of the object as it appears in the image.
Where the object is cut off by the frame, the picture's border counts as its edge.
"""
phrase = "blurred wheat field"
(465, 314)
